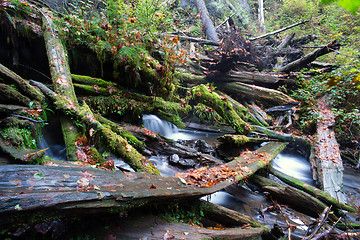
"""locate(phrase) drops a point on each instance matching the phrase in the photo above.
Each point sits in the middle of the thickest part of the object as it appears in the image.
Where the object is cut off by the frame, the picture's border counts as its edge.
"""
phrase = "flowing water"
(238, 198)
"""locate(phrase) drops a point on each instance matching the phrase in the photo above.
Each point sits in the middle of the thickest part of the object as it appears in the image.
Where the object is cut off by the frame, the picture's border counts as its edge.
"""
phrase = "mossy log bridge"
(71, 190)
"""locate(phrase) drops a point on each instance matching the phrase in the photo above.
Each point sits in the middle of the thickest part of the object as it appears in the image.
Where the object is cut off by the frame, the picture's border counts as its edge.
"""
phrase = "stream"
(240, 198)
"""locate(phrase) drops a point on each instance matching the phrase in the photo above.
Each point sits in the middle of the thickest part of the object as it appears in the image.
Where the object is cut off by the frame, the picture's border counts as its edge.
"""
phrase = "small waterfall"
(157, 125)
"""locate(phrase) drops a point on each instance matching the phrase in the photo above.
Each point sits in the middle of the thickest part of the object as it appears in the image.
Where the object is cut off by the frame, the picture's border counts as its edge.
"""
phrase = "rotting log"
(325, 159)
(299, 200)
(302, 62)
(315, 192)
(61, 78)
(113, 141)
(255, 92)
(259, 114)
(25, 87)
(287, 137)
(269, 79)
(239, 140)
(68, 189)
(284, 43)
(9, 94)
(222, 106)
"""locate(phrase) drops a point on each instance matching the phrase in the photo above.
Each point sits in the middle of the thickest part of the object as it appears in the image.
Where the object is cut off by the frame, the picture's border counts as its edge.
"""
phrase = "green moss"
(223, 107)
(19, 137)
(123, 149)
(86, 80)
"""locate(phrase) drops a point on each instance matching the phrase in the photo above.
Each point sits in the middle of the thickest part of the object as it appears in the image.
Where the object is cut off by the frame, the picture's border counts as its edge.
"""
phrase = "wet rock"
(204, 147)
(181, 162)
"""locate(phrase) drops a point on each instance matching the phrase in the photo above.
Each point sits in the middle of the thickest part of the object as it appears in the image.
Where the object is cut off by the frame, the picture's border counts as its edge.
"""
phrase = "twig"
(319, 236)
(320, 223)
(224, 21)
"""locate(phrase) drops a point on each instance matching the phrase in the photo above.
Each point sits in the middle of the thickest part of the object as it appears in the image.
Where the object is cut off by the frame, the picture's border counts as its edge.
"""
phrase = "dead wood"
(262, 79)
(239, 140)
(315, 192)
(112, 141)
(302, 62)
(279, 31)
(10, 95)
(73, 190)
(252, 92)
(325, 159)
(61, 79)
(284, 43)
(296, 199)
(25, 87)
(259, 114)
(193, 39)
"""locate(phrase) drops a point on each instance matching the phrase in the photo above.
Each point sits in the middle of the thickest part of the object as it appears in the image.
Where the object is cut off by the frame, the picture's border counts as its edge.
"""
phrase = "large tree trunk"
(70, 189)
(61, 78)
(261, 16)
(208, 25)
(326, 160)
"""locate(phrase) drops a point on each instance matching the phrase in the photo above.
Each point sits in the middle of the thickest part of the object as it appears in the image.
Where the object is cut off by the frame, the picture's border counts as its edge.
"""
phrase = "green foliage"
(351, 5)
(186, 213)
(205, 113)
(343, 87)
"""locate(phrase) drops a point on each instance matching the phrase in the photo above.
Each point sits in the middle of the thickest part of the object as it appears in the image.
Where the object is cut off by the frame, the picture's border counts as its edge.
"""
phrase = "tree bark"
(261, 16)
(208, 25)
(302, 62)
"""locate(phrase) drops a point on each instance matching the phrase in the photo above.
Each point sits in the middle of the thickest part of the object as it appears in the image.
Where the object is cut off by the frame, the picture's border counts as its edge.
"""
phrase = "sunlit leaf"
(38, 176)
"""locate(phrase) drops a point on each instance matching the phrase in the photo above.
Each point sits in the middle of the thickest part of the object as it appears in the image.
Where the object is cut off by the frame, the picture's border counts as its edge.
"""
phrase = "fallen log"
(262, 79)
(68, 190)
(302, 62)
(255, 92)
(284, 43)
(239, 140)
(279, 31)
(61, 79)
(113, 141)
(10, 95)
(296, 199)
(259, 114)
(315, 192)
(325, 159)
(25, 87)
(222, 106)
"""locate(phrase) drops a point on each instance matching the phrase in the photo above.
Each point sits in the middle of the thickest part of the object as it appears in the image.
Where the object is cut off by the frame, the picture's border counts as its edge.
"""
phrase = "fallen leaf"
(153, 186)
(38, 176)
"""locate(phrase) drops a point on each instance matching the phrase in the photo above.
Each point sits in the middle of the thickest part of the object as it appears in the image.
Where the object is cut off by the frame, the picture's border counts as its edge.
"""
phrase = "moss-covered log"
(25, 87)
(223, 107)
(299, 200)
(114, 142)
(61, 78)
(87, 80)
(315, 192)
(10, 95)
(239, 140)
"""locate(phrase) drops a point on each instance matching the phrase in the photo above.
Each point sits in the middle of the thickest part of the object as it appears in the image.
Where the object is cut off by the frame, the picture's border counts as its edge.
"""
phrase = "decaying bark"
(239, 140)
(82, 190)
(9, 94)
(258, 78)
(326, 160)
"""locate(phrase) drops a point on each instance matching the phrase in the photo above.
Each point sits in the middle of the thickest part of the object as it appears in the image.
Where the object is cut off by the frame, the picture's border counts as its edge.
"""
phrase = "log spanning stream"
(243, 198)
